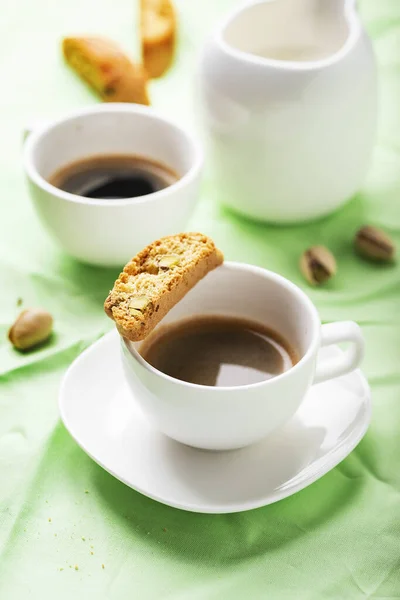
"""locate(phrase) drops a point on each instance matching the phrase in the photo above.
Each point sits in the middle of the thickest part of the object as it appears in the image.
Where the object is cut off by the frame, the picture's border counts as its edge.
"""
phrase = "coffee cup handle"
(33, 126)
(334, 333)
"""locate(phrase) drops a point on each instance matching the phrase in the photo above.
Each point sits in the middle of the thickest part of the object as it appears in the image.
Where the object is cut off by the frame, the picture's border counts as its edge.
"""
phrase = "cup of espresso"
(108, 179)
(233, 360)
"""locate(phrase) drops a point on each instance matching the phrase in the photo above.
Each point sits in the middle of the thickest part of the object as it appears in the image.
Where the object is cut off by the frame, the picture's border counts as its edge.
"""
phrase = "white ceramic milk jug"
(288, 96)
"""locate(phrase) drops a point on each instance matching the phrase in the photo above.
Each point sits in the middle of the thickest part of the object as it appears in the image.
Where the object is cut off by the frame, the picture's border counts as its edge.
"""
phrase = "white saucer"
(99, 412)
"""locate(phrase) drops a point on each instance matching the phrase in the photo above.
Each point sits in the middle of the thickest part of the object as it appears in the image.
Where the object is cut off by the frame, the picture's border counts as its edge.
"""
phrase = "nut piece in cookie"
(158, 33)
(156, 279)
(102, 64)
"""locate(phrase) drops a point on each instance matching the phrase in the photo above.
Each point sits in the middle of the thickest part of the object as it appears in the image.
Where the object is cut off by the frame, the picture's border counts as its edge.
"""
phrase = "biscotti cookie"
(102, 64)
(156, 279)
(158, 34)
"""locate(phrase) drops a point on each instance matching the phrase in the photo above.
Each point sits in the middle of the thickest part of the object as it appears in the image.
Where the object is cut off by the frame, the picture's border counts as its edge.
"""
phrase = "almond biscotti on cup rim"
(156, 279)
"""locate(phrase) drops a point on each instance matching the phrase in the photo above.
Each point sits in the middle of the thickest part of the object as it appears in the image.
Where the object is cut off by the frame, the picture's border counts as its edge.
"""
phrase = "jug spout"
(299, 32)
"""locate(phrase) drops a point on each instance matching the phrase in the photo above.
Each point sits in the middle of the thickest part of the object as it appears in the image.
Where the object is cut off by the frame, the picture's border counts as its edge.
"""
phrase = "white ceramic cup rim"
(36, 137)
(312, 347)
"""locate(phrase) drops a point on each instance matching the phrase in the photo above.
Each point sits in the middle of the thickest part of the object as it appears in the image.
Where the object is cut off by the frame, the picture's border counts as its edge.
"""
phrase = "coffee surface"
(113, 176)
(218, 351)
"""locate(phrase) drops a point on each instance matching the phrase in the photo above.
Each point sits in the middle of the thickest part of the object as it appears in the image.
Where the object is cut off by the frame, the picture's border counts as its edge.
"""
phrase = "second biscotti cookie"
(107, 69)
(156, 279)
(158, 35)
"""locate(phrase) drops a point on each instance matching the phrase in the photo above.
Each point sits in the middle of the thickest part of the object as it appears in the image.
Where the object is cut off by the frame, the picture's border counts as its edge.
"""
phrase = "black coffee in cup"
(113, 176)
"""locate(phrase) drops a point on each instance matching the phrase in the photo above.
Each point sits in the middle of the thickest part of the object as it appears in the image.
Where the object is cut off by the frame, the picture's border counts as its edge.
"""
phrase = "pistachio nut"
(32, 327)
(317, 265)
(138, 304)
(167, 261)
(374, 244)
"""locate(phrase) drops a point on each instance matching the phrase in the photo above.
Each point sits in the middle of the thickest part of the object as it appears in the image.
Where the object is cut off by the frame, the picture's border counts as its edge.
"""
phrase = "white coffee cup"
(221, 418)
(110, 232)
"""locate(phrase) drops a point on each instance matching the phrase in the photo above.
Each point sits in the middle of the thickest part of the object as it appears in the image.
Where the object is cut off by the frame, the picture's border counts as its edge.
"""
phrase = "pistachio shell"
(374, 244)
(317, 265)
(32, 327)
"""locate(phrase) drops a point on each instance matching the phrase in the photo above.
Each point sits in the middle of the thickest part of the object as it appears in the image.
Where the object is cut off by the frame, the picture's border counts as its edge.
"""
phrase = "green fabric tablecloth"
(339, 538)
